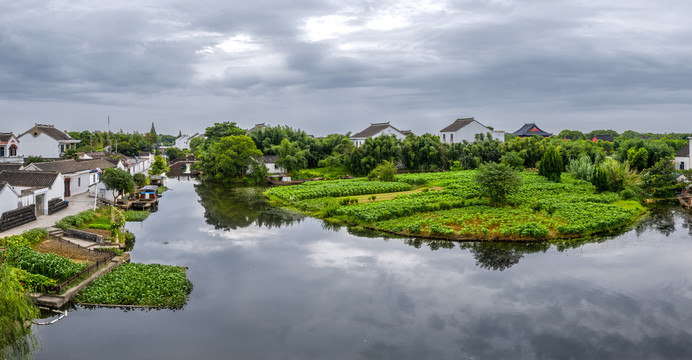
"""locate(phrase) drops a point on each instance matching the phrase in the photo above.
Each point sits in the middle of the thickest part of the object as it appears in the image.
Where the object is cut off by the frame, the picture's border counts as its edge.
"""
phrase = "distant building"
(467, 129)
(79, 176)
(45, 141)
(378, 129)
(683, 158)
(530, 130)
(9, 145)
(608, 138)
(30, 187)
(255, 128)
(183, 142)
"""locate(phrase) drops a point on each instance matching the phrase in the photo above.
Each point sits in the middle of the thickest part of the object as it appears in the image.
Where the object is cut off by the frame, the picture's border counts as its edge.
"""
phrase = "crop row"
(50, 265)
(335, 188)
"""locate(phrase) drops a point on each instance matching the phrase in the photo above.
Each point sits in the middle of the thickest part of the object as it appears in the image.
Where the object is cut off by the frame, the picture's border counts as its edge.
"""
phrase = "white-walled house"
(45, 141)
(378, 129)
(79, 176)
(9, 148)
(183, 142)
(32, 187)
(683, 158)
(466, 129)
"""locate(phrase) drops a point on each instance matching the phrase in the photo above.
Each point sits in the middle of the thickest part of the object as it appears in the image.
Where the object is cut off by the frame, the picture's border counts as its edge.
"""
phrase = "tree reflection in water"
(661, 218)
(229, 207)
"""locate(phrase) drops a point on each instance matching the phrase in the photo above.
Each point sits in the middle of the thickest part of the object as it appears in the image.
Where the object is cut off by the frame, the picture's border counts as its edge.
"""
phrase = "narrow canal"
(270, 284)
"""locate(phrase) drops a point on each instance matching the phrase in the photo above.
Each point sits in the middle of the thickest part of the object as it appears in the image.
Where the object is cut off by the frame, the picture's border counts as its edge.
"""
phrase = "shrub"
(551, 165)
(384, 172)
(136, 215)
(99, 226)
(35, 236)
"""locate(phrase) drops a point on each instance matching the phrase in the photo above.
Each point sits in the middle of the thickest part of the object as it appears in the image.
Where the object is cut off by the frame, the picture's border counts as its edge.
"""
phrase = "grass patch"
(136, 215)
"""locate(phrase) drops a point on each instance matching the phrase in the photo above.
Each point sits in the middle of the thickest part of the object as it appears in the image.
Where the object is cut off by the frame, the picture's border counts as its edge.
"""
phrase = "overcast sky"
(336, 66)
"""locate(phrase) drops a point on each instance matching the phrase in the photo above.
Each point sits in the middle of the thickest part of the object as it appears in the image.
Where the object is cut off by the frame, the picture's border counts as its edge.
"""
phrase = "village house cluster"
(41, 188)
(460, 130)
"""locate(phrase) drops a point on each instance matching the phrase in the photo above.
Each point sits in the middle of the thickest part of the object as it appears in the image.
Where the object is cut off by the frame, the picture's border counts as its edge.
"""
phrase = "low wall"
(83, 235)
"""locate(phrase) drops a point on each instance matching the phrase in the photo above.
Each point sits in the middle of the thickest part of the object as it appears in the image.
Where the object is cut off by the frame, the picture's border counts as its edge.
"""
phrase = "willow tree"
(16, 311)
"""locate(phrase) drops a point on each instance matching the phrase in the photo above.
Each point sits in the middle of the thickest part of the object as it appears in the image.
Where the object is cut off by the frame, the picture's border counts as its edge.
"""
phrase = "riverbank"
(449, 206)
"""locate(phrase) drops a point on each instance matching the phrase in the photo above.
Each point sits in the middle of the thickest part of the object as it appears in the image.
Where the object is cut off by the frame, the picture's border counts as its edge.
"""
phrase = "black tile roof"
(458, 124)
(5, 137)
(71, 166)
(530, 129)
(684, 152)
(33, 179)
(49, 130)
(10, 166)
(376, 128)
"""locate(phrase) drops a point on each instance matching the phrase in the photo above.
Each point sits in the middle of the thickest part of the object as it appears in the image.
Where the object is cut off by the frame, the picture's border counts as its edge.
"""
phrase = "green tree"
(513, 159)
(139, 179)
(195, 144)
(118, 180)
(581, 168)
(422, 152)
(228, 158)
(16, 310)
(599, 178)
(221, 130)
(551, 165)
(497, 181)
(290, 156)
(159, 166)
(571, 135)
(660, 180)
(174, 154)
(70, 154)
(638, 159)
(373, 152)
(384, 172)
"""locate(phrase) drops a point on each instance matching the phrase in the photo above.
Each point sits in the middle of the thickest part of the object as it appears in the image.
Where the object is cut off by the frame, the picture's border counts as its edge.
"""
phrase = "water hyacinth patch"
(134, 284)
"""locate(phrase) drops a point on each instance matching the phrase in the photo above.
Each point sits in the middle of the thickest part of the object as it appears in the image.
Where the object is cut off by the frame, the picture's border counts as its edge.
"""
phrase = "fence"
(107, 257)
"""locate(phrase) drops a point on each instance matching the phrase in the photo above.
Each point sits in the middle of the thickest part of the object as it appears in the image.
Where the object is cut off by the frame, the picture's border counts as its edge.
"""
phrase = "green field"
(449, 205)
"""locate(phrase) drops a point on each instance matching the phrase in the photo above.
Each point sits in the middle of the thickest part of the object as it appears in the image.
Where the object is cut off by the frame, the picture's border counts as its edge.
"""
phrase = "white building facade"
(375, 130)
(683, 159)
(466, 130)
(45, 141)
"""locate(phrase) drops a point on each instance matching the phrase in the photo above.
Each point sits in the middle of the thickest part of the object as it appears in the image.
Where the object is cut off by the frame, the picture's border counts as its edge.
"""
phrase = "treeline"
(228, 153)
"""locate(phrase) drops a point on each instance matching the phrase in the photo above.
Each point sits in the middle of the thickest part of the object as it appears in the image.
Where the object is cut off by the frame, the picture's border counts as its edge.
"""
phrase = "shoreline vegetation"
(450, 205)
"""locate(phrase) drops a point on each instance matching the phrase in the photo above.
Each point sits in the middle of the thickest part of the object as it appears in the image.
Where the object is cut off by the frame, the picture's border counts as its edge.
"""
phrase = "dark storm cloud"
(503, 61)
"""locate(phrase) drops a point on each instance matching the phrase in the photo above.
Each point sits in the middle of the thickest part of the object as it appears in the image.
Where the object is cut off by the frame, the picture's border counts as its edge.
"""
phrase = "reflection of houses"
(467, 129)
(378, 129)
(183, 142)
(530, 130)
(45, 141)
(25, 188)
(9, 145)
(79, 175)
(683, 158)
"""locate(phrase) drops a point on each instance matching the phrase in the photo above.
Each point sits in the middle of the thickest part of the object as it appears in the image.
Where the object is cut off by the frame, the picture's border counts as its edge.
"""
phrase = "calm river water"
(270, 284)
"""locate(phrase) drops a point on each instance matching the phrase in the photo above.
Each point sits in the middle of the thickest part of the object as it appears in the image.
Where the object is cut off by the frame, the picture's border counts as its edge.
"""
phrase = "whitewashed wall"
(41, 145)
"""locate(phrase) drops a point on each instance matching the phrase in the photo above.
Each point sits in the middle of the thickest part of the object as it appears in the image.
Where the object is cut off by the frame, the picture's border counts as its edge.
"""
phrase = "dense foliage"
(140, 285)
(318, 189)
(450, 205)
(15, 310)
(497, 181)
(118, 180)
(228, 158)
(136, 215)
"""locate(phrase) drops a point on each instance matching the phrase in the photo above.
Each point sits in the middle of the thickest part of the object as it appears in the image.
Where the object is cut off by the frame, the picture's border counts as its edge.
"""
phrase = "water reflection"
(661, 217)
(229, 208)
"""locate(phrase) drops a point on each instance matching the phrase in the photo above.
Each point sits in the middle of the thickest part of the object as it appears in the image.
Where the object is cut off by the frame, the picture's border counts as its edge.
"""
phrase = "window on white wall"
(79, 181)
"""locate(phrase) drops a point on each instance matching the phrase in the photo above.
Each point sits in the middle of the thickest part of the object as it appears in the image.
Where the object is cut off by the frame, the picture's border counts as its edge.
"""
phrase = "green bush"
(136, 215)
(99, 226)
(35, 236)
(76, 221)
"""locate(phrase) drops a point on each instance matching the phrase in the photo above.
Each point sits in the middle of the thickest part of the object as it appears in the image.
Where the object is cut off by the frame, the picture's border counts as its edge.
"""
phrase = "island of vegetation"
(494, 202)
